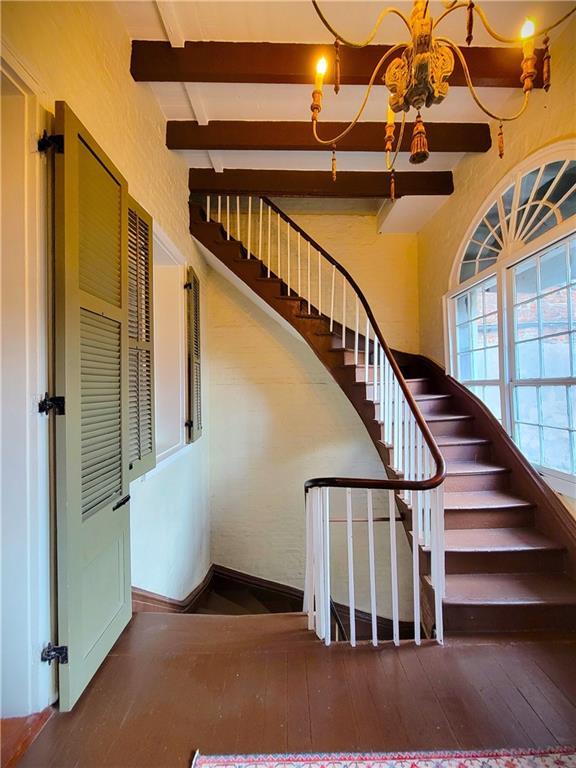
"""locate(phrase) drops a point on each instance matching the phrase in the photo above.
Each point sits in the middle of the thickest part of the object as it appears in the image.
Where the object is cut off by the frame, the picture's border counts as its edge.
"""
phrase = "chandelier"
(419, 76)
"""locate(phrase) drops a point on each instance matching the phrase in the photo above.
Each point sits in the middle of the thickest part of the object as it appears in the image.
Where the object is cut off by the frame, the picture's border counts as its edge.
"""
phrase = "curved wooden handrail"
(355, 482)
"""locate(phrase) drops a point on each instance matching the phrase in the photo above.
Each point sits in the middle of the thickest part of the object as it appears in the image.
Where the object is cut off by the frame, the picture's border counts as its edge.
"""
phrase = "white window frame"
(511, 254)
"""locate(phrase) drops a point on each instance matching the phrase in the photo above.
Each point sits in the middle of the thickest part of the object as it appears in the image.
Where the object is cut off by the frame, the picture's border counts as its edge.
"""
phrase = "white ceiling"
(295, 21)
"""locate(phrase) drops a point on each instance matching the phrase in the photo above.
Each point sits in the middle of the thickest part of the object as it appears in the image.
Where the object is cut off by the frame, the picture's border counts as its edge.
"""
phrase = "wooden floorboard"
(177, 683)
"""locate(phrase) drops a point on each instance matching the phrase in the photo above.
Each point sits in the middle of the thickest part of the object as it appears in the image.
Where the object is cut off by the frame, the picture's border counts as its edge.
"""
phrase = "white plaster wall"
(277, 419)
(550, 117)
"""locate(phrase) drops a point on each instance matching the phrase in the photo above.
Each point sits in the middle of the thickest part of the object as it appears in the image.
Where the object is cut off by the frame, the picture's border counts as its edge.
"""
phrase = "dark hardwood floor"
(175, 683)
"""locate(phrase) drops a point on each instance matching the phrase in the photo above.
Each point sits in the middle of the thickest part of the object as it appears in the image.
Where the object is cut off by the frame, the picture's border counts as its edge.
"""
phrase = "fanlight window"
(541, 200)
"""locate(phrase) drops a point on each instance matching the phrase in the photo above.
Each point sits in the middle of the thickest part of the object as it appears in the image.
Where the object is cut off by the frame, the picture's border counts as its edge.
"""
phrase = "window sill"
(559, 482)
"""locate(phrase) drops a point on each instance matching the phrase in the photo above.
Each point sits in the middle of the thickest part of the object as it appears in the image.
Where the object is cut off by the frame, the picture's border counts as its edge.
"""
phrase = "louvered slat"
(100, 411)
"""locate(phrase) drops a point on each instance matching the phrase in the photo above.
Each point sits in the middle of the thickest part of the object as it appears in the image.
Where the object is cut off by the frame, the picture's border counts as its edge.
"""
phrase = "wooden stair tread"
(510, 589)
(448, 417)
(497, 540)
(446, 440)
(483, 500)
(473, 468)
(430, 396)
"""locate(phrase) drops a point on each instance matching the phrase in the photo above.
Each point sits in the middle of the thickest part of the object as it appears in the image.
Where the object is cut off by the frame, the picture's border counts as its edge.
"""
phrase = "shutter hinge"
(57, 653)
(55, 403)
(189, 424)
(121, 503)
(55, 140)
(187, 286)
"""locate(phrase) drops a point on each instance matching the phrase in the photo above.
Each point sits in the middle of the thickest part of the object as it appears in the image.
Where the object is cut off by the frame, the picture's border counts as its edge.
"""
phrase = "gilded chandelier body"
(418, 77)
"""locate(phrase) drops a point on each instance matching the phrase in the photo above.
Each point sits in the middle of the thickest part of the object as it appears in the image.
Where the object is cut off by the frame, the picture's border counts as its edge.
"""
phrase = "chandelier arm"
(390, 165)
(358, 115)
(447, 12)
(371, 36)
(470, 84)
(491, 31)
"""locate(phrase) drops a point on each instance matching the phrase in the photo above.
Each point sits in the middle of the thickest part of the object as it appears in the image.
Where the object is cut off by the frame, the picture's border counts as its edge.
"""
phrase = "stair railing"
(417, 467)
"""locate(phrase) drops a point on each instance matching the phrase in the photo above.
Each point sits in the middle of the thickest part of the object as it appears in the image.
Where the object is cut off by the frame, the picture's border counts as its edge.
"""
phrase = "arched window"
(512, 310)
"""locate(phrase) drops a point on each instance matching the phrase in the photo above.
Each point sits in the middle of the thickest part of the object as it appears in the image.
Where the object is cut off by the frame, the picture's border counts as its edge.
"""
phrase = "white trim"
(513, 252)
(32, 600)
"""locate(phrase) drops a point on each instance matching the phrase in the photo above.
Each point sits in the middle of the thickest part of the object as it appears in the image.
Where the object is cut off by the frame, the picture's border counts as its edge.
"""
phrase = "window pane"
(556, 449)
(526, 320)
(528, 360)
(462, 308)
(491, 396)
(553, 272)
(467, 271)
(465, 367)
(477, 333)
(555, 357)
(529, 442)
(492, 363)
(526, 406)
(554, 406)
(491, 330)
(478, 365)
(525, 280)
(573, 259)
(572, 398)
(554, 312)
(463, 337)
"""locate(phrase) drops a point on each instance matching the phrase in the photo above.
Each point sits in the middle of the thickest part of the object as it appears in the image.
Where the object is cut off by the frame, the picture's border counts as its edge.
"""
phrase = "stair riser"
(441, 405)
(466, 452)
(419, 387)
(497, 481)
(530, 561)
(488, 518)
(451, 428)
(508, 617)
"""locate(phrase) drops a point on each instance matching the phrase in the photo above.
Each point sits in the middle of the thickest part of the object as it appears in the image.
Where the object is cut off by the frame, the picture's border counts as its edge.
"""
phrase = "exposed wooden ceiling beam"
(319, 183)
(214, 62)
(297, 136)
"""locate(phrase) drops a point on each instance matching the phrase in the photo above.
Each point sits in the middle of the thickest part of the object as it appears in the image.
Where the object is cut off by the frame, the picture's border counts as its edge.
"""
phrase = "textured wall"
(551, 117)
(79, 52)
(277, 419)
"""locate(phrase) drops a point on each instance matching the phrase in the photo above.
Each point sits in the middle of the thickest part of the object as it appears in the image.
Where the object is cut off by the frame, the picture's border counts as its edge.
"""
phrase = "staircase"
(509, 543)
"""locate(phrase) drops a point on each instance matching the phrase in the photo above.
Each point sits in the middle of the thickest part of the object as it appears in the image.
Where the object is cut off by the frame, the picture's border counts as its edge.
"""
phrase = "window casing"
(511, 315)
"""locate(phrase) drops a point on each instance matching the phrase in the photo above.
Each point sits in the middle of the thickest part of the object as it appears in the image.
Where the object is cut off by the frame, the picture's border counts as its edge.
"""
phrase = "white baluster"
(320, 591)
(382, 390)
(356, 331)
(350, 546)
(372, 568)
(227, 217)
(279, 265)
(269, 237)
(309, 291)
(332, 299)
(260, 231)
(343, 312)
(219, 209)
(427, 511)
(393, 568)
(207, 207)
(289, 258)
(415, 546)
(367, 352)
(309, 575)
(238, 235)
(319, 285)
(438, 560)
(299, 283)
(249, 225)
(375, 376)
(326, 548)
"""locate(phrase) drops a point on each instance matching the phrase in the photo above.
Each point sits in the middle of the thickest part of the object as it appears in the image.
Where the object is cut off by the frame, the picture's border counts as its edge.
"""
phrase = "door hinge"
(187, 286)
(57, 653)
(54, 403)
(54, 141)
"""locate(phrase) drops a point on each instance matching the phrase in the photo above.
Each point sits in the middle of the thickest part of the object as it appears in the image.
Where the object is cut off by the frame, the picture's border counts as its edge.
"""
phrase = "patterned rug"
(556, 757)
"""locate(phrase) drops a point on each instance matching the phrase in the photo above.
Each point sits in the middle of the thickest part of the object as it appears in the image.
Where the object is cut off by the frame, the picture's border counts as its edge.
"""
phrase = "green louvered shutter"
(91, 372)
(194, 369)
(141, 441)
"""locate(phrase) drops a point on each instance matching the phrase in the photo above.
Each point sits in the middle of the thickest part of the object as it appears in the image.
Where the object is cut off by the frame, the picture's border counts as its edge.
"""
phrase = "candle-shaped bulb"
(321, 67)
(527, 35)
(391, 118)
